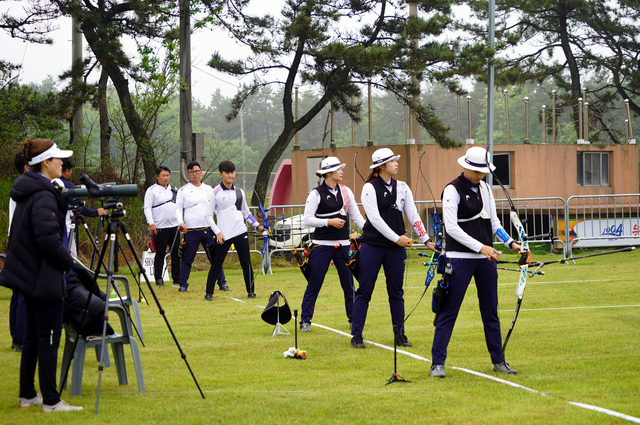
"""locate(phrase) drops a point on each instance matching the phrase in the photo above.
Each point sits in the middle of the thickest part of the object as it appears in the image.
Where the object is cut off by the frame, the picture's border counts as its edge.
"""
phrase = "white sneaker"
(25, 403)
(60, 406)
(437, 371)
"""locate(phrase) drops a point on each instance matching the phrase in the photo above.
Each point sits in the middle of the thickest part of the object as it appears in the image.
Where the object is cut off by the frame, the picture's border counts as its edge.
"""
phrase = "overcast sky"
(39, 61)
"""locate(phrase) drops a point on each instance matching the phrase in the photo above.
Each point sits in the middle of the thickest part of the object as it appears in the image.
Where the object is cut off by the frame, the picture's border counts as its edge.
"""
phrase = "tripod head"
(76, 207)
(117, 208)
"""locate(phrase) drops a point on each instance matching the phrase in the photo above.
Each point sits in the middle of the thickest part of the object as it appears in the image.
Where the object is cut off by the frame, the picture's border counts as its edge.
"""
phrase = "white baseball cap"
(382, 156)
(329, 165)
(476, 159)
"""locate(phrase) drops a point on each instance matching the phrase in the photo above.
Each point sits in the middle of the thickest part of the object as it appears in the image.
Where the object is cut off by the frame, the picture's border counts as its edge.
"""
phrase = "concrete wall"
(537, 170)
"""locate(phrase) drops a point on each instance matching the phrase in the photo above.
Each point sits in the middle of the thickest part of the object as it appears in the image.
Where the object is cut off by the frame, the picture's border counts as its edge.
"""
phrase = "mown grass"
(577, 339)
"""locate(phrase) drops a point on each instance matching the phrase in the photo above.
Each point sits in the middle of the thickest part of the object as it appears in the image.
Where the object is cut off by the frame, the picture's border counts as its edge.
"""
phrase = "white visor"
(53, 152)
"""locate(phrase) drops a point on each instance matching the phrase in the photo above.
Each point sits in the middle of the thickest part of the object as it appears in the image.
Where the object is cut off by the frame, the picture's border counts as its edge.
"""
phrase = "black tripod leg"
(132, 273)
(64, 374)
(113, 228)
(126, 310)
(161, 310)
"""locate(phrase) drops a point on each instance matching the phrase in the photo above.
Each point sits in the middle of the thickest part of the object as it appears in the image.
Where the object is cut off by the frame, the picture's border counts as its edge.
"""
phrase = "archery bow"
(437, 222)
(525, 253)
(437, 230)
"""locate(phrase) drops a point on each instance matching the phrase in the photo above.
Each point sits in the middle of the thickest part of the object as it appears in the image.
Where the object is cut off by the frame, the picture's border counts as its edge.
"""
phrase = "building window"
(502, 161)
(593, 168)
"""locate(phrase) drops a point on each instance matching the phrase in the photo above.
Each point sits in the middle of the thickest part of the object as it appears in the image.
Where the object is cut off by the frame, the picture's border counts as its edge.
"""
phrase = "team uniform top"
(312, 218)
(404, 203)
(452, 202)
(159, 208)
(230, 220)
(193, 206)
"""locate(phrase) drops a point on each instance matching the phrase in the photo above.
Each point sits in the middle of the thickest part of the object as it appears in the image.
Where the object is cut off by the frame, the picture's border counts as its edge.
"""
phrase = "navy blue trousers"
(241, 243)
(485, 274)
(193, 239)
(44, 327)
(371, 259)
(17, 318)
(319, 262)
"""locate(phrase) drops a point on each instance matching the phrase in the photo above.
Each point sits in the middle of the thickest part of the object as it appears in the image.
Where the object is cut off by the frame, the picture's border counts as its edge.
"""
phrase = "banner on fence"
(602, 232)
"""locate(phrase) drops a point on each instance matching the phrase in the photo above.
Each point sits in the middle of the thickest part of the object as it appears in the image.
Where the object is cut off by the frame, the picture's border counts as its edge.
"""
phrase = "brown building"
(527, 171)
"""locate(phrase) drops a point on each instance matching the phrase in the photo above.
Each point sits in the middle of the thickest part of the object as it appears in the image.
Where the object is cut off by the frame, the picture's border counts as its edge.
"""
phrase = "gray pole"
(296, 145)
(415, 129)
(76, 56)
(244, 171)
(370, 113)
(490, 86)
(186, 153)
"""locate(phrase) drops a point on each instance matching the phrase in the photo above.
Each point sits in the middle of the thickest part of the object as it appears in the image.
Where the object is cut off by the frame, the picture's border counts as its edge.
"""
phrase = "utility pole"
(76, 57)
(490, 86)
(186, 131)
(415, 130)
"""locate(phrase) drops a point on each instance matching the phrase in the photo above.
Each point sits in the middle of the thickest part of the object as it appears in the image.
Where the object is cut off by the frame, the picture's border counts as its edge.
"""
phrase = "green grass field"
(577, 340)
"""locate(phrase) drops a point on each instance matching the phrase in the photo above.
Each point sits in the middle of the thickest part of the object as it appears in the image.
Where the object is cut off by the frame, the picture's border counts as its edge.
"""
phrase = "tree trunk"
(134, 122)
(132, 117)
(105, 128)
(268, 163)
(574, 71)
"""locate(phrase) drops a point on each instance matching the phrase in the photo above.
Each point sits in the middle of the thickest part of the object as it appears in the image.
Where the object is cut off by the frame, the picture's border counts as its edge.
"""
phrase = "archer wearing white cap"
(383, 242)
(328, 209)
(469, 214)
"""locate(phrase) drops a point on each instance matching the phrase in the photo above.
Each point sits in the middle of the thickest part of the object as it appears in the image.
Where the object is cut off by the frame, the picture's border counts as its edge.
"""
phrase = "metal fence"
(610, 220)
(580, 221)
(541, 217)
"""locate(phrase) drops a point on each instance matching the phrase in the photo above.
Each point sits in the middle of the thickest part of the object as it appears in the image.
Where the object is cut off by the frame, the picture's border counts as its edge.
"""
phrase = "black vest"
(329, 207)
(389, 212)
(470, 205)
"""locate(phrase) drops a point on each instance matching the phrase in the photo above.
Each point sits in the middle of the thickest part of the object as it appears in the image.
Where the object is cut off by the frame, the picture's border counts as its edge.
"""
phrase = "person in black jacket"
(67, 169)
(36, 263)
(79, 289)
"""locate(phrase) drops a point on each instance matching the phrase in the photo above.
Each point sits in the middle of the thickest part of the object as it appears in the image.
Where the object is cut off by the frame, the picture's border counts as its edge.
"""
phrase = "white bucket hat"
(382, 156)
(476, 159)
(329, 165)
(53, 152)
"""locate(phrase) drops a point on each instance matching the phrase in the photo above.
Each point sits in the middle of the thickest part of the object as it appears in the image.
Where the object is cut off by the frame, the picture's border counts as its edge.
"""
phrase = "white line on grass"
(573, 308)
(606, 411)
(493, 378)
(540, 282)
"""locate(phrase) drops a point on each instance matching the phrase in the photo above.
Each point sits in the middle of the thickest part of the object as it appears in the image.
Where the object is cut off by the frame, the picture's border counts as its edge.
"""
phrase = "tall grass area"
(577, 339)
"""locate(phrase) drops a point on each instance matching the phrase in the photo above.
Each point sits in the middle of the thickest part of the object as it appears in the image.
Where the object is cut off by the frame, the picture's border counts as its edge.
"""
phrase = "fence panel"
(603, 220)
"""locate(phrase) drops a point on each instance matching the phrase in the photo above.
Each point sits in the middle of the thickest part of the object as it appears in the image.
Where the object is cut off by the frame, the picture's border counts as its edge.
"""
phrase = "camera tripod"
(77, 219)
(111, 242)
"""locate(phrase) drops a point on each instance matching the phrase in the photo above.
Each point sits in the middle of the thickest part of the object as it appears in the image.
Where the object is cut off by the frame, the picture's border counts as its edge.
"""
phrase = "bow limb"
(525, 253)
(355, 167)
(437, 222)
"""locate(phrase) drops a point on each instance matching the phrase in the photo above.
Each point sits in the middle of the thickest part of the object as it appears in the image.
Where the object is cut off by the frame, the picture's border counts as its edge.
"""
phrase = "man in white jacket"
(229, 204)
